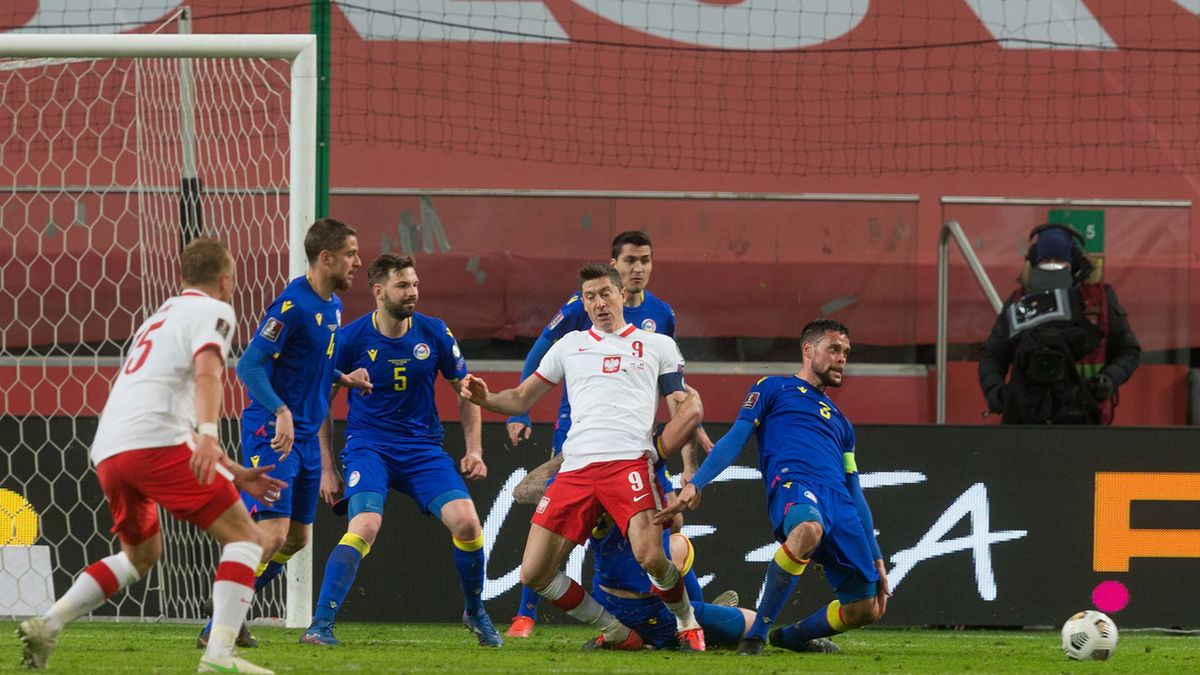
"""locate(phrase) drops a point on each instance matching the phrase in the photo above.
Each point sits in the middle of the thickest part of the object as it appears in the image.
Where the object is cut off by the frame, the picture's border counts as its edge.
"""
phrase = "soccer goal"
(115, 150)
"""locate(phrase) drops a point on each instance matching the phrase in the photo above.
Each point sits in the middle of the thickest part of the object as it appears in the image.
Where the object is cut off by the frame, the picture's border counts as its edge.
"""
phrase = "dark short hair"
(632, 237)
(203, 261)
(326, 234)
(384, 265)
(814, 331)
(599, 271)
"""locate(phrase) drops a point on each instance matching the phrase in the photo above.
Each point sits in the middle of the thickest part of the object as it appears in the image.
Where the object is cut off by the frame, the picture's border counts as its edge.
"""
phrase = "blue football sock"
(782, 576)
(272, 569)
(823, 623)
(468, 559)
(340, 570)
(723, 626)
(529, 603)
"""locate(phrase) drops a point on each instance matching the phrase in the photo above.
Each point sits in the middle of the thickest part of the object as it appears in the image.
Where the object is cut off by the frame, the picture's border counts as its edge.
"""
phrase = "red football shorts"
(575, 499)
(135, 482)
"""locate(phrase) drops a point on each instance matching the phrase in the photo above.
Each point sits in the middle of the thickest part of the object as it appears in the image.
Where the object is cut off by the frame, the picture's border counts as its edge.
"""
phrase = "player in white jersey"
(614, 374)
(157, 444)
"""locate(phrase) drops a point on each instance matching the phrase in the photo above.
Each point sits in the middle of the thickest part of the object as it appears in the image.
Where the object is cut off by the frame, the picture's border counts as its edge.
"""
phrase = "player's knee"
(803, 538)
(651, 558)
(862, 613)
(535, 578)
(366, 525)
(681, 552)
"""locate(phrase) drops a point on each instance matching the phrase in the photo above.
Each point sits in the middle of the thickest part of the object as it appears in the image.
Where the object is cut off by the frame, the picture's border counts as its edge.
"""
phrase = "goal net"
(117, 150)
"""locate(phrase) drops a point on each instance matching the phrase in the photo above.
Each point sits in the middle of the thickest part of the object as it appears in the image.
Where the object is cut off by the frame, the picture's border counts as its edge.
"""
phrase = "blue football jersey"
(799, 430)
(300, 332)
(654, 315)
(401, 408)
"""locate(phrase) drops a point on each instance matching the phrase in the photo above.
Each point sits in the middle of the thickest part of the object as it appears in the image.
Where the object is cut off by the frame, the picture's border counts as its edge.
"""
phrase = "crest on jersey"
(421, 351)
(555, 321)
(271, 329)
(541, 507)
(648, 325)
(223, 328)
(751, 400)
(287, 304)
(372, 353)
(319, 317)
(354, 476)
(612, 364)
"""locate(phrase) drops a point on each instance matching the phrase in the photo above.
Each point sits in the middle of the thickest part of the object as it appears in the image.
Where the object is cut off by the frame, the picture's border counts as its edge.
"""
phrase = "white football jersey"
(612, 383)
(153, 402)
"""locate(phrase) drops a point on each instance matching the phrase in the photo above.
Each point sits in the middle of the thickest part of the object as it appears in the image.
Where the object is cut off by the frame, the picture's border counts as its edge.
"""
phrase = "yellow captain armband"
(850, 462)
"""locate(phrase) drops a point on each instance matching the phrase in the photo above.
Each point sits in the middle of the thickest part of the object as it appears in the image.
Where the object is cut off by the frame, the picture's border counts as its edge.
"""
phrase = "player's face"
(828, 357)
(398, 297)
(343, 263)
(604, 303)
(634, 264)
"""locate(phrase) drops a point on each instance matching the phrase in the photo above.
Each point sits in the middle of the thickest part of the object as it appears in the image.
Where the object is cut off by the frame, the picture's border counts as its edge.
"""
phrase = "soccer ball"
(1089, 636)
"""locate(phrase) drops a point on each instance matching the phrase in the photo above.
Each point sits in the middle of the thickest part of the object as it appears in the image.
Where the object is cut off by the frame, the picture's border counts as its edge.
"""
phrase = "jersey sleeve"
(670, 365)
(213, 328)
(754, 408)
(451, 363)
(570, 317)
(343, 360)
(551, 367)
(278, 321)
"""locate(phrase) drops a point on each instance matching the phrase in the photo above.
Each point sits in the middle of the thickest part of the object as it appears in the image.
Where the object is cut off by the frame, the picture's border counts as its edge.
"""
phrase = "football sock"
(268, 571)
(782, 575)
(822, 623)
(340, 570)
(670, 588)
(468, 559)
(692, 584)
(567, 595)
(529, 602)
(99, 582)
(722, 625)
(233, 591)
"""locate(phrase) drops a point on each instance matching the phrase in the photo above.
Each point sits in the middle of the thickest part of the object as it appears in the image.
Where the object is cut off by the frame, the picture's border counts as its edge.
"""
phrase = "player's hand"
(517, 432)
(256, 483)
(285, 434)
(684, 481)
(883, 590)
(359, 379)
(331, 487)
(205, 459)
(473, 467)
(687, 496)
(474, 389)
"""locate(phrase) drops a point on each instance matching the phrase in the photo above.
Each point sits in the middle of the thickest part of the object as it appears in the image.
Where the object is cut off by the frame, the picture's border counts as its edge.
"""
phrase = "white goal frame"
(301, 51)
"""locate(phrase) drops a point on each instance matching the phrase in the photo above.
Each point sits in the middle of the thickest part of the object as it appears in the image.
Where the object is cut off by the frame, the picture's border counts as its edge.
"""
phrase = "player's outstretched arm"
(251, 369)
(513, 401)
(723, 453)
(532, 487)
(208, 378)
(520, 427)
(472, 464)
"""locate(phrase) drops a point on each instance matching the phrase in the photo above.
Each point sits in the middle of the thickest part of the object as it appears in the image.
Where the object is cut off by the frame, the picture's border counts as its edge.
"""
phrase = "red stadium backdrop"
(932, 100)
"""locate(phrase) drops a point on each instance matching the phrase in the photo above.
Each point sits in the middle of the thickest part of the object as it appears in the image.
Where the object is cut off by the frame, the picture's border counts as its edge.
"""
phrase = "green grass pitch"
(104, 647)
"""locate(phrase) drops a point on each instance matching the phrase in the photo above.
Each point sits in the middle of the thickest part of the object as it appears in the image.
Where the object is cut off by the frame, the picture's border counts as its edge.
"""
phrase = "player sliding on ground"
(614, 374)
(806, 457)
(157, 444)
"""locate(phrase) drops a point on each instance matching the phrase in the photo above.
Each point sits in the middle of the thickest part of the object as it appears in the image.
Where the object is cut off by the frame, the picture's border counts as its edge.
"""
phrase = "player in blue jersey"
(620, 584)
(288, 371)
(394, 442)
(633, 257)
(814, 499)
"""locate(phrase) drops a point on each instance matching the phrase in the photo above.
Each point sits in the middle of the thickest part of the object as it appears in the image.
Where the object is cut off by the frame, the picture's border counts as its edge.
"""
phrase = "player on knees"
(633, 258)
(814, 499)
(157, 444)
(394, 442)
(288, 372)
(614, 373)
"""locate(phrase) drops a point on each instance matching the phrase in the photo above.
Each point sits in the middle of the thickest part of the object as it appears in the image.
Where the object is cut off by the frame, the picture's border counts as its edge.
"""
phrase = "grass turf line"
(103, 647)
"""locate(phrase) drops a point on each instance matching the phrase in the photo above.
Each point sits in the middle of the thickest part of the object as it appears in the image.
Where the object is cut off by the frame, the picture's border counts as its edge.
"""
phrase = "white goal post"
(57, 213)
